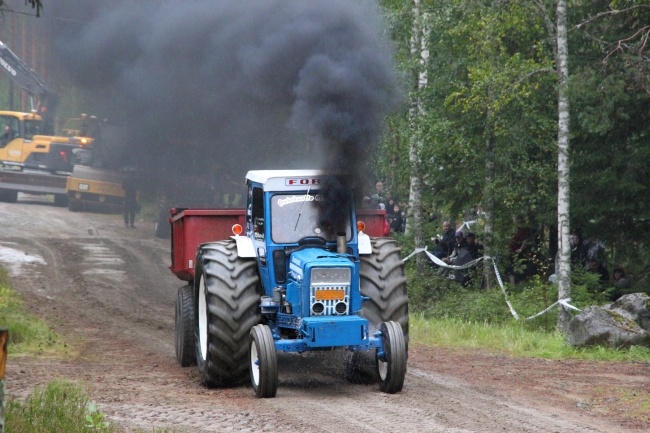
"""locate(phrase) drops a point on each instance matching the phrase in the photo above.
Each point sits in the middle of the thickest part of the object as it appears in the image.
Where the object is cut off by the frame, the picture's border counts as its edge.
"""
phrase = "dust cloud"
(215, 88)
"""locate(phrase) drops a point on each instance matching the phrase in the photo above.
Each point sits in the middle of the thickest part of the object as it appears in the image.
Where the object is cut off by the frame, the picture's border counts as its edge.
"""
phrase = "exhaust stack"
(341, 245)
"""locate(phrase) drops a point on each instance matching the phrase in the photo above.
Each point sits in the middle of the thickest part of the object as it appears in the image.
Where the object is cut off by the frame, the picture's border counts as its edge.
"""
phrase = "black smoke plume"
(223, 87)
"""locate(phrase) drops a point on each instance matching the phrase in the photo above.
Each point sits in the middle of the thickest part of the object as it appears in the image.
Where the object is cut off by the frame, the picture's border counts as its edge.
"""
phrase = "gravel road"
(108, 290)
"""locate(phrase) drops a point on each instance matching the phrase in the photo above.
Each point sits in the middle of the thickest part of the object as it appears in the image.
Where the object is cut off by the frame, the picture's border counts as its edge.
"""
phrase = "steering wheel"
(312, 240)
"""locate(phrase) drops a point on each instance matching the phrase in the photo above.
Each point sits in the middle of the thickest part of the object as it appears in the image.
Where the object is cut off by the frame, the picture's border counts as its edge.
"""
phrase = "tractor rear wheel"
(162, 228)
(384, 282)
(391, 367)
(184, 327)
(227, 298)
(263, 362)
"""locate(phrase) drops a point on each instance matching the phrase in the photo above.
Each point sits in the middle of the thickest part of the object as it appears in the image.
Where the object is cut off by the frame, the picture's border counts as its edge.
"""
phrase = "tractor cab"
(288, 217)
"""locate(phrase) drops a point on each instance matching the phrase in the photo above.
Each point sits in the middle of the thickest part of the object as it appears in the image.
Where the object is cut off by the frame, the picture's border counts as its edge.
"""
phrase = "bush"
(60, 407)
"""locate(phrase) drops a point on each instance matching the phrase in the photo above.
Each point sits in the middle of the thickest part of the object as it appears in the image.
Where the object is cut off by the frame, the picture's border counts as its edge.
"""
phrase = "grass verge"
(60, 407)
(27, 334)
(511, 338)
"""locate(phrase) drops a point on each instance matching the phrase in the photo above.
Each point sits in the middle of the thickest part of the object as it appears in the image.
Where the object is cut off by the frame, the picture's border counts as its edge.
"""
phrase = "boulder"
(634, 307)
(598, 326)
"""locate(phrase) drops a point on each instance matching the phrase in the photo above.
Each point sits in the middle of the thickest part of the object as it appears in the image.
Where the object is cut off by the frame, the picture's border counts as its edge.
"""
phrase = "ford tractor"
(280, 276)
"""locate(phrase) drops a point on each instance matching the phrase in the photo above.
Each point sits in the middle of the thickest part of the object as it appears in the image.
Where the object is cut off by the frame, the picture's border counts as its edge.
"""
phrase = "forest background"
(481, 130)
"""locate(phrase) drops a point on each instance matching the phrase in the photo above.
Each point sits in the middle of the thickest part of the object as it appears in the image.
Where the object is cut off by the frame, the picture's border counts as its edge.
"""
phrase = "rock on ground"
(599, 326)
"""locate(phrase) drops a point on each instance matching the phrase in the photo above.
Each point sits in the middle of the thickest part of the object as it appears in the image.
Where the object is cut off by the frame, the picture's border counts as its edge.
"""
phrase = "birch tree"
(564, 248)
(419, 52)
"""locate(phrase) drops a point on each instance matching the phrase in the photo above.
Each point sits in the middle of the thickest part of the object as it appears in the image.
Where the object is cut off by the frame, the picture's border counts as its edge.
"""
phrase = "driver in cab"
(7, 136)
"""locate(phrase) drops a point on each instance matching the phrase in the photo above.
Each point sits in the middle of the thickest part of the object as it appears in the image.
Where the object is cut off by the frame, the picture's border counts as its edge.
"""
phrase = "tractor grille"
(331, 300)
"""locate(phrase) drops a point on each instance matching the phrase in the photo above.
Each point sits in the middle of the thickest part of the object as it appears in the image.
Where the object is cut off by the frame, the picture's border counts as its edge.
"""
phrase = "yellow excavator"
(95, 183)
(69, 166)
(31, 159)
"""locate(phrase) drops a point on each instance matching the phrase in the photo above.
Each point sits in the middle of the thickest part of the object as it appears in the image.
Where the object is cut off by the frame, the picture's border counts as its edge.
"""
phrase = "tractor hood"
(322, 283)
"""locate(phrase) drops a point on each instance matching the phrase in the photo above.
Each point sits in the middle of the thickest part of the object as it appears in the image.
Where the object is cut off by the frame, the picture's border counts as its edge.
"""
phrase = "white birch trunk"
(414, 221)
(564, 249)
(488, 200)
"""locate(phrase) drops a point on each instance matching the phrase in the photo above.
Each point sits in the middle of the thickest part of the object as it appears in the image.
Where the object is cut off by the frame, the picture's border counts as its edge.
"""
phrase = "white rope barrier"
(437, 261)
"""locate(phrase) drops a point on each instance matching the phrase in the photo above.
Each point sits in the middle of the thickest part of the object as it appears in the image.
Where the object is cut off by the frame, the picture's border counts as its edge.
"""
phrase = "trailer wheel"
(384, 282)
(391, 367)
(162, 228)
(184, 327)
(228, 293)
(263, 365)
(8, 196)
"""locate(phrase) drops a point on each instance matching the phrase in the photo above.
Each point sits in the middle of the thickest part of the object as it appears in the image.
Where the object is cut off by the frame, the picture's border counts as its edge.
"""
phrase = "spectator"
(459, 257)
(376, 203)
(475, 249)
(596, 250)
(622, 285)
(398, 220)
(520, 247)
(595, 267)
(390, 206)
(446, 242)
(460, 244)
(129, 183)
(379, 190)
(578, 251)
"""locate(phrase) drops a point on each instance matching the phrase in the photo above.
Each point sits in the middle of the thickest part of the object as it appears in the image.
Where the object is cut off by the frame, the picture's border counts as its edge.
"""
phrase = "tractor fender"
(365, 247)
(245, 246)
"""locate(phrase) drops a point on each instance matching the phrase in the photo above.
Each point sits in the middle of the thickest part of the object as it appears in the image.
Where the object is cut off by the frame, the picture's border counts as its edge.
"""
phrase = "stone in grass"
(598, 326)
(634, 307)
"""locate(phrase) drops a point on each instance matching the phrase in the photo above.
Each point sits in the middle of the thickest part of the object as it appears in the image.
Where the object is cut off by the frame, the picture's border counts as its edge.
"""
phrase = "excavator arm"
(32, 84)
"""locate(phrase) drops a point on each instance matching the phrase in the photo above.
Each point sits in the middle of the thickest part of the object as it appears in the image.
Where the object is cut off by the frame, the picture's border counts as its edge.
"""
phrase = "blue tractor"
(292, 282)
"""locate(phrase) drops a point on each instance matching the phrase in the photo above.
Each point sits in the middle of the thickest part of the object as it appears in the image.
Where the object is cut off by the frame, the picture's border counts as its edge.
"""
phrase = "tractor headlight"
(329, 276)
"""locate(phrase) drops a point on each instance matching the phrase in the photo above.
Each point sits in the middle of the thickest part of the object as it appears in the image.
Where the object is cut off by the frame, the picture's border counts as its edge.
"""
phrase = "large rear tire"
(162, 228)
(384, 282)
(227, 299)
(263, 364)
(391, 367)
(184, 327)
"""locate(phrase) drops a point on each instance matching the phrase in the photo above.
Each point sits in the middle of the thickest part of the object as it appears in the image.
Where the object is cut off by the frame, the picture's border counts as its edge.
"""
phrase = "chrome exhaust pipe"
(341, 245)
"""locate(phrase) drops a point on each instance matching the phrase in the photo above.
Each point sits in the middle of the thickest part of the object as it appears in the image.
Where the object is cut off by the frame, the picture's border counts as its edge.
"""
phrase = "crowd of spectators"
(591, 256)
(384, 200)
(458, 248)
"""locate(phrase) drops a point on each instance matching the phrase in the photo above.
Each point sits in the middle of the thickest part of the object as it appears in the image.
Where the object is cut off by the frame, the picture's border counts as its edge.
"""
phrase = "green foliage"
(511, 339)
(27, 334)
(491, 96)
(60, 407)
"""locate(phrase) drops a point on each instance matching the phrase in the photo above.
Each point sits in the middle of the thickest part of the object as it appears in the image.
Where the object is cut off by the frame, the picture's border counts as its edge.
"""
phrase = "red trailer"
(193, 227)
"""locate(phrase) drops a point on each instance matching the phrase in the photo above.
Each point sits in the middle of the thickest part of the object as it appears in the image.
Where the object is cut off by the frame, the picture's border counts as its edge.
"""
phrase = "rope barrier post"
(4, 336)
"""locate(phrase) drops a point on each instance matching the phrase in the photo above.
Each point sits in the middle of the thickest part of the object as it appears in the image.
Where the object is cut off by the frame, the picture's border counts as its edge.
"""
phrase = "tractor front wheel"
(391, 365)
(263, 365)
(184, 327)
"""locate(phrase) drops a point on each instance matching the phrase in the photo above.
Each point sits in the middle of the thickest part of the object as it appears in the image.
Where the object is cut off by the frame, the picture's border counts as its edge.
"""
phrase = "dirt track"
(108, 290)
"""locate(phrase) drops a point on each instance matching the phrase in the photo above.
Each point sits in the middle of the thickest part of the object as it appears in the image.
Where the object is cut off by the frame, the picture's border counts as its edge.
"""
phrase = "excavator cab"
(10, 129)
